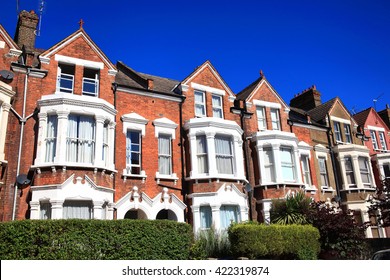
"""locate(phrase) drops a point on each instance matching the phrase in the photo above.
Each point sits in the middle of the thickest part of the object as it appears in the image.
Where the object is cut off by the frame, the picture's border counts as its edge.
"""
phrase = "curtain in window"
(87, 139)
(269, 175)
(45, 211)
(71, 141)
(217, 106)
(287, 163)
(364, 170)
(224, 155)
(229, 214)
(201, 150)
(205, 217)
(51, 138)
(77, 210)
(164, 155)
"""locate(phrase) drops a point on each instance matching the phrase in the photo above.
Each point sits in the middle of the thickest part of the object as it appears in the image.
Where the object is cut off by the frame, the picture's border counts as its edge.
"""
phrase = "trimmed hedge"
(260, 241)
(95, 240)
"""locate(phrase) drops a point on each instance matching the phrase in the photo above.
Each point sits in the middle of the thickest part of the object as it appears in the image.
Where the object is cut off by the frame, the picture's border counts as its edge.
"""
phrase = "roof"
(319, 113)
(128, 77)
(244, 94)
(361, 117)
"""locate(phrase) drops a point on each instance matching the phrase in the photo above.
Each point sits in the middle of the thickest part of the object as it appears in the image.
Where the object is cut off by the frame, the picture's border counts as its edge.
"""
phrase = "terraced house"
(83, 137)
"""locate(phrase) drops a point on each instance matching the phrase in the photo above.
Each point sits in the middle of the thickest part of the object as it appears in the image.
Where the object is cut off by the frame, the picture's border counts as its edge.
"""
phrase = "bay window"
(164, 154)
(364, 171)
(51, 138)
(133, 151)
(287, 164)
(80, 141)
(224, 154)
(269, 165)
(201, 154)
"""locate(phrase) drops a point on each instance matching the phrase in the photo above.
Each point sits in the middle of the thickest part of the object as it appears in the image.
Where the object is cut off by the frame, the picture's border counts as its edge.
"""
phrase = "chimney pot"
(150, 84)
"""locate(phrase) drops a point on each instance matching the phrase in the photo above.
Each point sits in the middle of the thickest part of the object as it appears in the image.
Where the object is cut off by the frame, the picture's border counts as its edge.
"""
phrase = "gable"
(207, 76)
(339, 111)
(7, 46)
(78, 46)
(375, 120)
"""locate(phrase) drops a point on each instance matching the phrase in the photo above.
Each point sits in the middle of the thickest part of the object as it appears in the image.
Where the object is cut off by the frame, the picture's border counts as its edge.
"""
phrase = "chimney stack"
(150, 84)
(26, 28)
(307, 100)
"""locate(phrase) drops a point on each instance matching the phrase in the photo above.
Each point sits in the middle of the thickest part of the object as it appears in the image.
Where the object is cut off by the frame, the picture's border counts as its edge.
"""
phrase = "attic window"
(90, 82)
(65, 79)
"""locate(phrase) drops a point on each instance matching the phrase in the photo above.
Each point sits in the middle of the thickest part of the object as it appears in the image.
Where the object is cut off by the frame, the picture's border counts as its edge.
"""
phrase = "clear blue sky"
(343, 47)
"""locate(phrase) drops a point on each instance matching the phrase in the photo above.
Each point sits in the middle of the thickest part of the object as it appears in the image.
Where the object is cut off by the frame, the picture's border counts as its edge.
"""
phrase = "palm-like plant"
(291, 210)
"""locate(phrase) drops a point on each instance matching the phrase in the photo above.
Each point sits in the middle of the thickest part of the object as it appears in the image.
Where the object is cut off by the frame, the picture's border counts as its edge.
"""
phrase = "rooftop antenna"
(375, 100)
(353, 110)
(17, 8)
(41, 9)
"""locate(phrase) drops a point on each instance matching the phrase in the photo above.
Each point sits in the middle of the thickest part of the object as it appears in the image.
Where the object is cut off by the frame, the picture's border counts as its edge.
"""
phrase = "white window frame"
(261, 118)
(65, 77)
(225, 156)
(275, 119)
(347, 132)
(374, 140)
(323, 168)
(51, 140)
(365, 171)
(337, 132)
(350, 172)
(201, 105)
(129, 164)
(205, 222)
(306, 170)
(217, 109)
(382, 140)
(202, 156)
(162, 157)
(269, 166)
(91, 81)
(290, 165)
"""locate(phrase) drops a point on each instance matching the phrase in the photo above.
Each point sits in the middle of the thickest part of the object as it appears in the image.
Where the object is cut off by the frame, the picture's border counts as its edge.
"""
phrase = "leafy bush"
(95, 239)
(211, 243)
(260, 241)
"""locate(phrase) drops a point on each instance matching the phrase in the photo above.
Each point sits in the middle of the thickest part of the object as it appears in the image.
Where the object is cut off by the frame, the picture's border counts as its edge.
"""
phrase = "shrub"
(95, 239)
(211, 243)
(259, 241)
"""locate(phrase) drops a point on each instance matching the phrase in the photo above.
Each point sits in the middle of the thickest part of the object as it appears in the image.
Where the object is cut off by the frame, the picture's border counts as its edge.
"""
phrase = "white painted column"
(356, 171)
(97, 210)
(343, 172)
(216, 216)
(110, 211)
(260, 155)
(34, 210)
(111, 141)
(194, 161)
(5, 107)
(196, 218)
(277, 163)
(57, 207)
(297, 164)
(62, 132)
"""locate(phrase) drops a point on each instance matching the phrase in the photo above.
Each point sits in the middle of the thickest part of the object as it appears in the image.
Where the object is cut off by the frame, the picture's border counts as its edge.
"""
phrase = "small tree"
(380, 204)
(294, 209)
(341, 236)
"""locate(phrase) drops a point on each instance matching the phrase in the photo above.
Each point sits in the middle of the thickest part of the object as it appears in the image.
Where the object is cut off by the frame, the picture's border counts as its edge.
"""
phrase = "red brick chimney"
(307, 100)
(150, 84)
(26, 28)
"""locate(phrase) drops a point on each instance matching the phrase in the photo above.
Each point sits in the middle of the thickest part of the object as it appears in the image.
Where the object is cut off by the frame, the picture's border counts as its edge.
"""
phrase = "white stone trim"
(267, 104)
(208, 89)
(133, 121)
(227, 194)
(165, 126)
(78, 61)
(376, 128)
(340, 120)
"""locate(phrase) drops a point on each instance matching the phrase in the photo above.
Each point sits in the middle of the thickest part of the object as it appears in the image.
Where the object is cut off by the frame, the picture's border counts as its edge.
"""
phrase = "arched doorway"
(166, 214)
(135, 214)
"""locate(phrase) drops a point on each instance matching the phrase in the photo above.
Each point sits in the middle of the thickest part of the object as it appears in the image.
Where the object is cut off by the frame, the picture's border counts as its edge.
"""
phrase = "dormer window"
(65, 79)
(90, 82)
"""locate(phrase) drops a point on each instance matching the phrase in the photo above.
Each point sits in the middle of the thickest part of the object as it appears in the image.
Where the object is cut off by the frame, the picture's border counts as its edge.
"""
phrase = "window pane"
(51, 138)
(349, 172)
(382, 139)
(229, 214)
(347, 130)
(275, 119)
(306, 170)
(205, 217)
(133, 151)
(261, 121)
(364, 170)
(269, 175)
(164, 152)
(373, 139)
(287, 164)
(224, 155)
(45, 210)
(337, 131)
(77, 210)
(201, 150)
(200, 107)
(323, 172)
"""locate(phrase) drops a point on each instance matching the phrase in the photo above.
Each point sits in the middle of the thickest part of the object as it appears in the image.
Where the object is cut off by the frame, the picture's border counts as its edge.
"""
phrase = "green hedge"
(259, 241)
(95, 239)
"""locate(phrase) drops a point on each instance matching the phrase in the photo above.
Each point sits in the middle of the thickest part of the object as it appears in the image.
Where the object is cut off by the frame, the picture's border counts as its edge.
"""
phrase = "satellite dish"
(22, 180)
(248, 187)
(7, 75)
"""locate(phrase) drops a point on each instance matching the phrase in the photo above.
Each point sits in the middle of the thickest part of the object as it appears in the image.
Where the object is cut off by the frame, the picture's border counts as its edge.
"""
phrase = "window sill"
(280, 184)
(327, 189)
(216, 177)
(358, 189)
(126, 174)
(171, 177)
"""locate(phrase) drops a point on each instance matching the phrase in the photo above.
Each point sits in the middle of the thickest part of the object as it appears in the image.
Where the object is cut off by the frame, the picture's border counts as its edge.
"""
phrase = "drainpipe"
(22, 123)
(332, 158)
